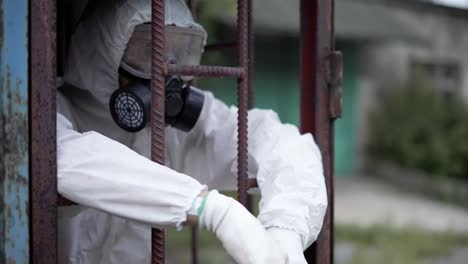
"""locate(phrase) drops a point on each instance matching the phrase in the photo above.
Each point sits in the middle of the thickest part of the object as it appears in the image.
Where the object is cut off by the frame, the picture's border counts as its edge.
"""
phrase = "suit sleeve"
(101, 173)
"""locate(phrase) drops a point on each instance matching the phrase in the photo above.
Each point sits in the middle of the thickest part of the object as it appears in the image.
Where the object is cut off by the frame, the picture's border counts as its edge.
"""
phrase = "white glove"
(290, 242)
(242, 235)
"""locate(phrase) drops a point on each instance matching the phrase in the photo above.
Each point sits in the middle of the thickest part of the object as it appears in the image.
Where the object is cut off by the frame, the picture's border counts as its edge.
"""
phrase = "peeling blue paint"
(14, 167)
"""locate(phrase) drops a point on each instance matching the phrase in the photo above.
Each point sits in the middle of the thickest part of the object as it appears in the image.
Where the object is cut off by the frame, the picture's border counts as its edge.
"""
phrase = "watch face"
(128, 111)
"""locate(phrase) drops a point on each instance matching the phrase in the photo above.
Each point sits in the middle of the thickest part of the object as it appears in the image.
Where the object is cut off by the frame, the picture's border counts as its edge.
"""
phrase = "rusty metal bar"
(157, 112)
(204, 71)
(242, 97)
(316, 46)
(250, 84)
(252, 183)
(194, 243)
(43, 163)
(251, 56)
(192, 4)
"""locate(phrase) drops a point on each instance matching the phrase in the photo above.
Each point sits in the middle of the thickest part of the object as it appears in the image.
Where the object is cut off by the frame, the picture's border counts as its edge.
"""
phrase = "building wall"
(443, 41)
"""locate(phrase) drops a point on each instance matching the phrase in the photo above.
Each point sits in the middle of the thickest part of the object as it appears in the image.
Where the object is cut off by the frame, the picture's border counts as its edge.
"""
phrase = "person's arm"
(101, 173)
(98, 172)
(287, 164)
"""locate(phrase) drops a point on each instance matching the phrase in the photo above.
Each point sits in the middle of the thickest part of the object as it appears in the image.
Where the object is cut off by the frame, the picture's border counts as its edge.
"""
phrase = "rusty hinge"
(335, 83)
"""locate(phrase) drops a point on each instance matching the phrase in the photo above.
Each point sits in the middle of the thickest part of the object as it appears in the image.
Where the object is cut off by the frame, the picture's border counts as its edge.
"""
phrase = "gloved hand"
(291, 182)
(242, 235)
(290, 242)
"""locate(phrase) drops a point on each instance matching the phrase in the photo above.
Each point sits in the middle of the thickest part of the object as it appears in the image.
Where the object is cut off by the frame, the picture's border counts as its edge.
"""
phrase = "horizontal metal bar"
(205, 71)
(252, 183)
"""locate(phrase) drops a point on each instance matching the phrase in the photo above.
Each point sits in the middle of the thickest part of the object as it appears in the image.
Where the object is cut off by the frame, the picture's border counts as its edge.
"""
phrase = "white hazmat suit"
(122, 194)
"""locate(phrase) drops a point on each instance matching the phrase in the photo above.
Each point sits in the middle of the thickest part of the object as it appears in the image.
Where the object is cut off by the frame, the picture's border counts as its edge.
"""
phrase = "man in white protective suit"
(122, 194)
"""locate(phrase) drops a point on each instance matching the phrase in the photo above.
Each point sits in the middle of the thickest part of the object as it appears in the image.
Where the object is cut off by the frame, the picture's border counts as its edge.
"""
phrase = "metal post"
(43, 187)
(251, 55)
(192, 4)
(242, 97)
(316, 47)
(14, 169)
(250, 198)
(157, 112)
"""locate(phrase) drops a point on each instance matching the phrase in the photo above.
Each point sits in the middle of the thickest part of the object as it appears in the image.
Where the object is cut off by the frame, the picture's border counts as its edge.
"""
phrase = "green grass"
(178, 247)
(371, 245)
(380, 244)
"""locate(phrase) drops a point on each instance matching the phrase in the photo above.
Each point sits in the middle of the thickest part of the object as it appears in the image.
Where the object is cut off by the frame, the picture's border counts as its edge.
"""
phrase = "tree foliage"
(419, 127)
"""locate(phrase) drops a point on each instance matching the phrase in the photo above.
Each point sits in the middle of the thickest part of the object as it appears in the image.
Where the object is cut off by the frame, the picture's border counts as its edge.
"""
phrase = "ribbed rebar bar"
(242, 97)
(157, 111)
(205, 71)
(252, 183)
(250, 69)
(251, 56)
(194, 243)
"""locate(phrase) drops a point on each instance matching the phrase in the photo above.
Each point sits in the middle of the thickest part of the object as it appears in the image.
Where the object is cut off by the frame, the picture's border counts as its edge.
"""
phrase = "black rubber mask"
(130, 106)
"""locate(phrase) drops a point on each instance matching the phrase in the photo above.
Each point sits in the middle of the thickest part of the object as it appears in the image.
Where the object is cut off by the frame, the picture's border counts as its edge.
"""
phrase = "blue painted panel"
(14, 174)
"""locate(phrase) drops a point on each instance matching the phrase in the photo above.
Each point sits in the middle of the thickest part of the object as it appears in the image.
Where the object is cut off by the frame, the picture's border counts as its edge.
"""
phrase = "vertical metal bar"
(157, 112)
(14, 170)
(192, 4)
(43, 188)
(242, 96)
(316, 46)
(194, 245)
(251, 56)
(250, 77)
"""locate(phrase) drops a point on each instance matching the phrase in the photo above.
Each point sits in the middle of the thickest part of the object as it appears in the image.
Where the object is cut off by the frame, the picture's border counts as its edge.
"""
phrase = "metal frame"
(250, 96)
(42, 98)
(157, 111)
(160, 69)
(318, 68)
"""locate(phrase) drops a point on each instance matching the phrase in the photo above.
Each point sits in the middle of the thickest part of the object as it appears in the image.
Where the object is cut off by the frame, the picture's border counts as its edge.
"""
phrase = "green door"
(345, 128)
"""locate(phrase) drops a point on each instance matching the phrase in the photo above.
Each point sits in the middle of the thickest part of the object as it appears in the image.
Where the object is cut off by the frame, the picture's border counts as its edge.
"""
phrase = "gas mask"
(130, 105)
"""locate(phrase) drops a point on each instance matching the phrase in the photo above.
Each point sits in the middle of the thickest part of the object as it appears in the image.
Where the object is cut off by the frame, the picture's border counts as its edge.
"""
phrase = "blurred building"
(383, 42)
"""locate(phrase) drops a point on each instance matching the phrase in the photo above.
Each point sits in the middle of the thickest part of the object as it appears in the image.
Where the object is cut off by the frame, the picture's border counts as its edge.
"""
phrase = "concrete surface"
(367, 201)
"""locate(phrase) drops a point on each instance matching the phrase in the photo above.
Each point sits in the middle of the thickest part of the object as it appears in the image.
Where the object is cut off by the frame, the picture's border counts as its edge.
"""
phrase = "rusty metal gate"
(29, 113)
